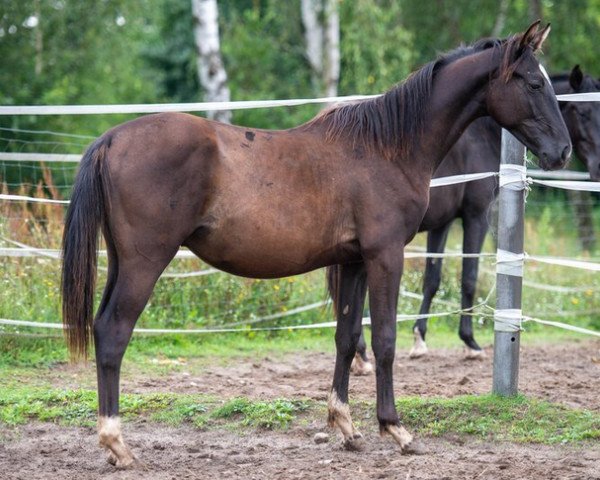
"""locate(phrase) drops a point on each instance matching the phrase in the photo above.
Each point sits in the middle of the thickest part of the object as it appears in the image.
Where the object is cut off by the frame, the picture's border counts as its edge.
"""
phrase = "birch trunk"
(322, 35)
(331, 71)
(211, 71)
(500, 19)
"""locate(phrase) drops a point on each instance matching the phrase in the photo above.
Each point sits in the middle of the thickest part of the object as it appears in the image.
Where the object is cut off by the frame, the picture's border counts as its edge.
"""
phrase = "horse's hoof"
(472, 354)
(418, 351)
(123, 463)
(401, 436)
(415, 447)
(355, 443)
(361, 367)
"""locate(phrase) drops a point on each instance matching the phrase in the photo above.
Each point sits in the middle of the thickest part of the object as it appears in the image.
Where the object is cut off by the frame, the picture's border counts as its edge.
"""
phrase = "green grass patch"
(515, 419)
(264, 414)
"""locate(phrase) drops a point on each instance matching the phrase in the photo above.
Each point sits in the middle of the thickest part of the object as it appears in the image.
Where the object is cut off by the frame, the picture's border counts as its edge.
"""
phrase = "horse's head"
(521, 99)
(583, 121)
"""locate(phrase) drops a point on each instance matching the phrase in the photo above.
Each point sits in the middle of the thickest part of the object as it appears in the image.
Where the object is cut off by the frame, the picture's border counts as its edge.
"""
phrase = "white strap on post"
(508, 320)
(513, 177)
(509, 263)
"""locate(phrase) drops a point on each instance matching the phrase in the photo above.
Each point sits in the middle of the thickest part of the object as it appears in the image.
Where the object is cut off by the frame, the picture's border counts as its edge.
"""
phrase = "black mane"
(389, 123)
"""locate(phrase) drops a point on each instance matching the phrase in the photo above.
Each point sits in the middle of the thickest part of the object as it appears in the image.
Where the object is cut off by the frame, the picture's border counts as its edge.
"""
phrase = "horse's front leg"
(383, 277)
(349, 291)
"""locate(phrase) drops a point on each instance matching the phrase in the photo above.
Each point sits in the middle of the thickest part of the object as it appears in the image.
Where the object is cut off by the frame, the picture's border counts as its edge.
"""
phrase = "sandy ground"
(563, 373)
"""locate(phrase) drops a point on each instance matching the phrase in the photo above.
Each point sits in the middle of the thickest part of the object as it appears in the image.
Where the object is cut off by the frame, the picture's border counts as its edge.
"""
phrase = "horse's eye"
(536, 85)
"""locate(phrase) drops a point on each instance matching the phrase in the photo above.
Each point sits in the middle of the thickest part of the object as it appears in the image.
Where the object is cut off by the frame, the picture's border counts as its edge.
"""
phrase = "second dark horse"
(478, 150)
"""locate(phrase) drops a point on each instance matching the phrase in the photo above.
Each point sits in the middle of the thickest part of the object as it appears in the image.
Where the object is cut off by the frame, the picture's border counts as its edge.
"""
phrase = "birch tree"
(211, 71)
(322, 35)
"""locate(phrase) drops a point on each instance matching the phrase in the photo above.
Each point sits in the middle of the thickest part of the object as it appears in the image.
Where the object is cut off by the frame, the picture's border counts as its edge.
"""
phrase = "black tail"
(86, 213)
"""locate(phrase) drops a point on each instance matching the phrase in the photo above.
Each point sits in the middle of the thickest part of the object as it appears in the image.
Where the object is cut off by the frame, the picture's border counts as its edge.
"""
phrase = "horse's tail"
(85, 214)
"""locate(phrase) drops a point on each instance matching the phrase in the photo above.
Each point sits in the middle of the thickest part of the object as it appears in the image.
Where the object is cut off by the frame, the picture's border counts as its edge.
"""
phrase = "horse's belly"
(271, 255)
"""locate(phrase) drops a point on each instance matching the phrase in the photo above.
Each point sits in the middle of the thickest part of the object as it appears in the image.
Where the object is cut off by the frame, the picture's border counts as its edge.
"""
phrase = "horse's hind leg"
(436, 241)
(361, 365)
(475, 229)
(350, 301)
(126, 294)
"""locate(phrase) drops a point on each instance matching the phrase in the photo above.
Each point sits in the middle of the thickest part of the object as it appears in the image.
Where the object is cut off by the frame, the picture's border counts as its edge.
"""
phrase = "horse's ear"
(576, 78)
(539, 38)
(529, 35)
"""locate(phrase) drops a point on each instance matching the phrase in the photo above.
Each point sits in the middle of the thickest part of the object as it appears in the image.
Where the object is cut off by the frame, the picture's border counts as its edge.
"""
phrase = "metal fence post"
(509, 268)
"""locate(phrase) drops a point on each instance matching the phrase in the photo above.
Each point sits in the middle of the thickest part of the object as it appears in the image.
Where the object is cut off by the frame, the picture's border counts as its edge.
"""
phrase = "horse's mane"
(389, 123)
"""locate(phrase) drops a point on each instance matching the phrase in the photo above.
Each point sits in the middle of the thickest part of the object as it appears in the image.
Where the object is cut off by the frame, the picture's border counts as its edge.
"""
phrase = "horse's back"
(249, 201)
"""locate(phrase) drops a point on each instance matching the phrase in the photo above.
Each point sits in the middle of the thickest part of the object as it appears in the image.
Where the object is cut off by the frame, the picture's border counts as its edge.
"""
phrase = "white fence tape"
(171, 107)
(454, 179)
(570, 185)
(39, 157)
(564, 326)
(23, 198)
(366, 321)
(213, 106)
(566, 262)
(557, 174)
(579, 97)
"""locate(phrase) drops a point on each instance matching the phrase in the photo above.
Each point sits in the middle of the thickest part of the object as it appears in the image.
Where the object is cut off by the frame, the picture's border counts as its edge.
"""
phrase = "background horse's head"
(583, 121)
(522, 100)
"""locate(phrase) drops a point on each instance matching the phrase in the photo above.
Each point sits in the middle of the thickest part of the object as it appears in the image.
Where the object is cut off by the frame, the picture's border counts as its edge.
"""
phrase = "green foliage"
(263, 52)
(80, 52)
(376, 47)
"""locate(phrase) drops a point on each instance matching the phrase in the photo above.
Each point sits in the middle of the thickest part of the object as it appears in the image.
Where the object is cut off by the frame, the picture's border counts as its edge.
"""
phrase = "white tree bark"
(331, 71)
(322, 35)
(500, 18)
(211, 71)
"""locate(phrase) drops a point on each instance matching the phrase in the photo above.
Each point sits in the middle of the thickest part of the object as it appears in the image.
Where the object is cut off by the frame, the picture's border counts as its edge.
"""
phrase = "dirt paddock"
(562, 373)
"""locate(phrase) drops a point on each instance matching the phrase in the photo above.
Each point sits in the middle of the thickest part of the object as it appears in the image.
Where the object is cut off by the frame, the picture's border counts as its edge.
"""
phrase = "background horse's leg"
(475, 228)
(361, 365)
(383, 278)
(350, 292)
(126, 293)
(436, 241)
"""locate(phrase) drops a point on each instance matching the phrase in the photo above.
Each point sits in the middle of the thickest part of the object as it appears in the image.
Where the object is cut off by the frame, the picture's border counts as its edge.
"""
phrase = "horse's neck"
(458, 98)
(484, 137)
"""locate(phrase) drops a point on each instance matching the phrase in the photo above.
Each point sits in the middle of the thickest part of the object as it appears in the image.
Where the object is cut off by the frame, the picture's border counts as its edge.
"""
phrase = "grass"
(78, 407)
(516, 419)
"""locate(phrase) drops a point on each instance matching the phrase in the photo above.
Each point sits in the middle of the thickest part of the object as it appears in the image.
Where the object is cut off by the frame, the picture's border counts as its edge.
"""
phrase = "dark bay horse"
(478, 150)
(348, 188)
